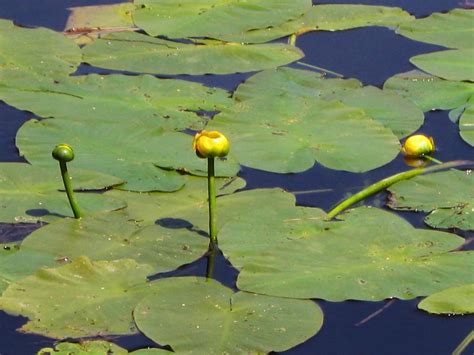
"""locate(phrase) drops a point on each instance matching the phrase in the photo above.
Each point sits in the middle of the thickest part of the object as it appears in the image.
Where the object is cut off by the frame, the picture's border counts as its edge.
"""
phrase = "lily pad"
(126, 149)
(96, 347)
(213, 18)
(447, 195)
(99, 17)
(30, 194)
(430, 92)
(54, 54)
(397, 113)
(452, 29)
(456, 300)
(144, 54)
(167, 103)
(216, 320)
(454, 64)
(384, 256)
(327, 17)
(466, 123)
(303, 131)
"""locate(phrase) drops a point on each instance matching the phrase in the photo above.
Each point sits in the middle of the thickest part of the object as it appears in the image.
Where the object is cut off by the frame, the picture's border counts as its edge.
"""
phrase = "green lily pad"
(304, 131)
(54, 54)
(90, 298)
(456, 300)
(168, 103)
(96, 347)
(127, 149)
(466, 123)
(454, 64)
(397, 113)
(327, 17)
(384, 256)
(447, 195)
(216, 320)
(213, 18)
(452, 29)
(139, 53)
(30, 194)
(100, 17)
(429, 92)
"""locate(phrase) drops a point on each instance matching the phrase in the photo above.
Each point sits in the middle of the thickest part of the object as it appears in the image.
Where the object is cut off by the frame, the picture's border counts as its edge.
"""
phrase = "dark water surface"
(369, 54)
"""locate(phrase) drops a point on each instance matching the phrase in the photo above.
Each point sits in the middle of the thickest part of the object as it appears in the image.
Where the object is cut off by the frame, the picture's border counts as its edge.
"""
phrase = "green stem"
(320, 69)
(69, 190)
(464, 344)
(211, 257)
(211, 188)
(430, 158)
(292, 39)
(384, 183)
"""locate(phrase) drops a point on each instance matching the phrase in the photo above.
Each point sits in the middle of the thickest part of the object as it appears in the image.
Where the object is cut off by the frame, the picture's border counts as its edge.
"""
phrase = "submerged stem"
(211, 257)
(69, 190)
(211, 187)
(384, 183)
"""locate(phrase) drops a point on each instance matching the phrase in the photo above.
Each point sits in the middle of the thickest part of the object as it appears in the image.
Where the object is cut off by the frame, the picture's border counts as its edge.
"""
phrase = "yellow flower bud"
(418, 145)
(210, 144)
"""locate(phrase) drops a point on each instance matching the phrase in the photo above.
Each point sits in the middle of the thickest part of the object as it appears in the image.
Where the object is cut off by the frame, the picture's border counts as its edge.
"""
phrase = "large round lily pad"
(89, 298)
(29, 194)
(455, 300)
(371, 255)
(466, 122)
(213, 18)
(218, 321)
(41, 51)
(452, 29)
(127, 149)
(167, 103)
(143, 54)
(288, 135)
(447, 195)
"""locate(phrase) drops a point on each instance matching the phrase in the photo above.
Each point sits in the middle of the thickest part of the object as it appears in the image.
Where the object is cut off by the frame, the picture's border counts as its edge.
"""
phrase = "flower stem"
(211, 257)
(384, 183)
(211, 188)
(434, 160)
(69, 190)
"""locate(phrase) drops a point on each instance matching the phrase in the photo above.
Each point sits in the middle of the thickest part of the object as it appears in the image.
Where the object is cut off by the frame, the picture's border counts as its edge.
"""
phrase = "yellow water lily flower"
(210, 144)
(418, 145)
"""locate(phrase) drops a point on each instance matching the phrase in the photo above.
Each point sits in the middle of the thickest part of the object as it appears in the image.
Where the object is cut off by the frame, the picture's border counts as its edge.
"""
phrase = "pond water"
(372, 55)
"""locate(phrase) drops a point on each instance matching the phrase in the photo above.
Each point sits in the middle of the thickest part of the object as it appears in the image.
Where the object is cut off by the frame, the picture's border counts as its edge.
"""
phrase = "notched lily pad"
(216, 320)
(456, 300)
(384, 257)
(29, 194)
(447, 195)
(158, 56)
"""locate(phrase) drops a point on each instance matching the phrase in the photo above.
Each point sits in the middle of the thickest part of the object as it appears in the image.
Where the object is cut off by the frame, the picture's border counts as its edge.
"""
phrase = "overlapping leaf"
(447, 195)
(454, 64)
(455, 300)
(89, 298)
(29, 194)
(42, 51)
(98, 347)
(159, 56)
(452, 29)
(216, 320)
(383, 257)
(213, 18)
(126, 149)
(167, 103)
(327, 17)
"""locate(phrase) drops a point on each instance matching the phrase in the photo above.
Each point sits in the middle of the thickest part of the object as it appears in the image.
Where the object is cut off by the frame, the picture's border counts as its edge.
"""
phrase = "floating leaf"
(301, 131)
(100, 17)
(454, 64)
(97, 347)
(139, 53)
(393, 111)
(218, 321)
(213, 18)
(42, 51)
(448, 194)
(126, 149)
(168, 103)
(452, 29)
(384, 256)
(90, 298)
(430, 92)
(30, 194)
(455, 300)
(466, 123)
